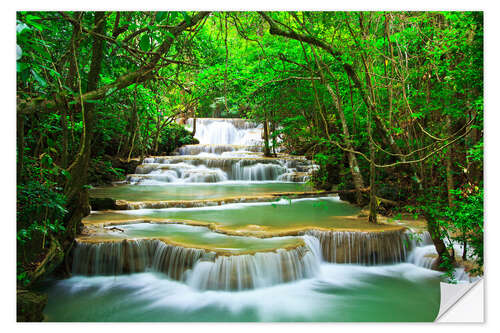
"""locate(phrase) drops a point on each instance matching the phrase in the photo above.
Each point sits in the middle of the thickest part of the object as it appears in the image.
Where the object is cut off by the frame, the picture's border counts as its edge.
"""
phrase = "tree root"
(53, 258)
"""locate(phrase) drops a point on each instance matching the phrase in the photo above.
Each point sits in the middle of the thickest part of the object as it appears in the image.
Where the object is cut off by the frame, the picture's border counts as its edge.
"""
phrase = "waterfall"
(227, 131)
(366, 248)
(257, 171)
(200, 268)
(202, 169)
(206, 270)
(229, 150)
(215, 149)
(423, 254)
(261, 269)
(296, 177)
(175, 260)
(132, 256)
(111, 258)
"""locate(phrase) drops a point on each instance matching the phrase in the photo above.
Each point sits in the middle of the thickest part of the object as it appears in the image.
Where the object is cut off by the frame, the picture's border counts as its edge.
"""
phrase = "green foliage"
(102, 172)
(460, 223)
(425, 72)
(465, 221)
(40, 208)
(174, 136)
(476, 152)
(40, 213)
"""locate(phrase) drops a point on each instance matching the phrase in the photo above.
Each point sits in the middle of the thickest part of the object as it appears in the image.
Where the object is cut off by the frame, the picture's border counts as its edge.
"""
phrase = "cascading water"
(262, 269)
(424, 255)
(201, 269)
(132, 256)
(227, 131)
(300, 259)
(229, 150)
(367, 248)
(205, 269)
(216, 149)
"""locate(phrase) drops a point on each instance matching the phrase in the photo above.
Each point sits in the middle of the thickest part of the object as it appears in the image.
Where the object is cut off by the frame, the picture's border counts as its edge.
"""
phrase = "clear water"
(278, 215)
(193, 236)
(350, 293)
(193, 192)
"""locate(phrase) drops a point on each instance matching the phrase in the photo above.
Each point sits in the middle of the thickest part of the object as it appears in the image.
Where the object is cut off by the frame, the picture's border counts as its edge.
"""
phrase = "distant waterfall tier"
(199, 268)
(196, 169)
(220, 149)
(365, 248)
(238, 123)
(226, 131)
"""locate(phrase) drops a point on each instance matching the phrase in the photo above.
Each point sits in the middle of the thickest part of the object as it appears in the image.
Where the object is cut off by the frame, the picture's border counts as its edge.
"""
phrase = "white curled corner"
(462, 303)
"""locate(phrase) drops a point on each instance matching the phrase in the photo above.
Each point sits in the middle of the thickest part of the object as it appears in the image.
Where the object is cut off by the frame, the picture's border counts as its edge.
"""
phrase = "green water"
(348, 293)
(200, 237)
(192, 192)
(283, 214)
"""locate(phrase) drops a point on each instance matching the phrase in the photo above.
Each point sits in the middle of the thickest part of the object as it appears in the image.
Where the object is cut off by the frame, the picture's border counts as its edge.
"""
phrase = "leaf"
(145, 43)
(65, 174)
(39, 78)
(30, 19)
(110, 91)
(160, 16)
(187, 18)
(169, 34)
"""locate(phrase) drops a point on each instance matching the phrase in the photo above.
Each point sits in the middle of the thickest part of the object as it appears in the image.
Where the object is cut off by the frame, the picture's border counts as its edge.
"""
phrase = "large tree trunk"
(76, 193)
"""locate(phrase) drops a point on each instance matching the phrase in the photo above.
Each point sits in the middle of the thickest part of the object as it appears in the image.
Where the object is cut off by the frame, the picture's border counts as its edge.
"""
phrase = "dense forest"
(388, 104)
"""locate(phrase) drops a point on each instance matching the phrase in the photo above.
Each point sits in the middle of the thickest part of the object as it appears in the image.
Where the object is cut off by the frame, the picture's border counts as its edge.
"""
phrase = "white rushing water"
(229, 150)
(227, 131)
(425, 255)
(199, 268)
(337, 292)
(204, 270)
